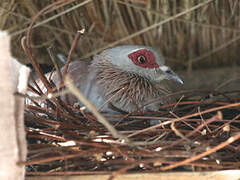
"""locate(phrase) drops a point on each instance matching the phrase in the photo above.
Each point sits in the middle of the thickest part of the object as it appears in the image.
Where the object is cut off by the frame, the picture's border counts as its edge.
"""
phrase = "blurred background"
(198, 38)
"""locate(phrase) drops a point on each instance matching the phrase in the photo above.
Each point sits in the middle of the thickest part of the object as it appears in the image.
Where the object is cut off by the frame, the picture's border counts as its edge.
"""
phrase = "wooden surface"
(216, 175)
(13, 146)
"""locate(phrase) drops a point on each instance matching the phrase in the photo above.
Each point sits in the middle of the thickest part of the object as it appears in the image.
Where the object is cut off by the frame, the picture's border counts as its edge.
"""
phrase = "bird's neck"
(123, 87)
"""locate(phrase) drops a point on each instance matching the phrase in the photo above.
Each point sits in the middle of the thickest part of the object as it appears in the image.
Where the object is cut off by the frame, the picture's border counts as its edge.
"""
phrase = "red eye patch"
(147, 55)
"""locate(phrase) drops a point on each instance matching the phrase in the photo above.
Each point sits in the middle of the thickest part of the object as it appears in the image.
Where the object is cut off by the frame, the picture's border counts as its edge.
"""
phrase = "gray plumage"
(127, 76)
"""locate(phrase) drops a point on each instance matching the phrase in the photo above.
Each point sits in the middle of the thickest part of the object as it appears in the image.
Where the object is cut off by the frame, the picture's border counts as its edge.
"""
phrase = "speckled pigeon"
(127, 77)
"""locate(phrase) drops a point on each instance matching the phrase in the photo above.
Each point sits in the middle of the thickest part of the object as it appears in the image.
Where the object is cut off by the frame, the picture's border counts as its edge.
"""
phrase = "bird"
(125, 77)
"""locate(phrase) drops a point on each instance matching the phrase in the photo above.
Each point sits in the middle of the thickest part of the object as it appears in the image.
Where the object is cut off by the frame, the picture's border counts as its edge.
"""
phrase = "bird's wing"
(78, 71)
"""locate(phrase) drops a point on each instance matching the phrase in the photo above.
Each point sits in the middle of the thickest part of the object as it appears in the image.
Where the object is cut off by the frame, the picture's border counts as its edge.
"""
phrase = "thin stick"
(54, 62)
(209, 151)
(184, 117)
(28, 47)
(93, 109)
(74, 44)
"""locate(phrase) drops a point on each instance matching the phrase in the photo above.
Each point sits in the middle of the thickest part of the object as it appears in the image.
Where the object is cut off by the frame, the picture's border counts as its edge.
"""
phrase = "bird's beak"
(176, 78)
(167, 73)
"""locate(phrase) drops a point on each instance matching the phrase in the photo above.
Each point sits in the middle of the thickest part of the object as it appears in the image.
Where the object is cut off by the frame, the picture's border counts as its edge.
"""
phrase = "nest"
(198, 133)
(190, 135)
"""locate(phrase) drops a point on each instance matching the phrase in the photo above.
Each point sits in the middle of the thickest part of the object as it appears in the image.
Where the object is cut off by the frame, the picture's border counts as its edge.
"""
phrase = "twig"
(93, 109)
(184, 117)
(209, 151)
(178, 133)
(54, 62)
(74, 44)
(218, 116)
(28, 46)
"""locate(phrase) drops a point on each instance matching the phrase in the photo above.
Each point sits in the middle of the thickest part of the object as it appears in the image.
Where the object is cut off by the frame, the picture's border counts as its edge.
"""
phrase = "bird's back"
(84, 80)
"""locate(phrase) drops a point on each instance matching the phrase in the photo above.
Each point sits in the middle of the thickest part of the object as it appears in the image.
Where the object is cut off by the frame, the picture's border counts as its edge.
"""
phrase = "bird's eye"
(141, 59)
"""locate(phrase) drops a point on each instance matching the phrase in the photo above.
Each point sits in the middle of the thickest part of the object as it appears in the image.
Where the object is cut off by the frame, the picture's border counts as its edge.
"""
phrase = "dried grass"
(206, 36)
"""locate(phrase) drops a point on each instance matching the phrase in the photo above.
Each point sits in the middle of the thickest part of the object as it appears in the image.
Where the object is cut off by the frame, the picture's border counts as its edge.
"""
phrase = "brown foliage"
(205, 36)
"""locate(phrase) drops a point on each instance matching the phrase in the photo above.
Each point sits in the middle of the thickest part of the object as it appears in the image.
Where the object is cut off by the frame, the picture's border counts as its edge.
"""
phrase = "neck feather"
(126, 90)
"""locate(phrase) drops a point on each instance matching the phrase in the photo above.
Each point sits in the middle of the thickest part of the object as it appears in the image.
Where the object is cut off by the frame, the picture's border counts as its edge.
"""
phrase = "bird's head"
(141, 60)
